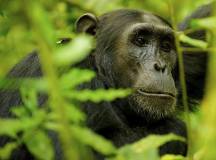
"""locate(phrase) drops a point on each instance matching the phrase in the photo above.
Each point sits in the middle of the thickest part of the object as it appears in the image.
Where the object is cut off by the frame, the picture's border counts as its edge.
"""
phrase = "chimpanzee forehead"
(124, 17)
(114, 24)
(153, 19)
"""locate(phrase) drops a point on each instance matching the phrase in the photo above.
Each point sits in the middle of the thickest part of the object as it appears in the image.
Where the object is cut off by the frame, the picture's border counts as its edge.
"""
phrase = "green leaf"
(128, 154)
(10, 127)
(39, 17)
(150, 154)
(193, 42)
(20, 111)
(73, 114)
(97, 95)
(145, 148)
(75, 77)
(16, 83)
(154, 141)
(75, 51)
(173, 157)
(39, 144)
(90, 138)
(6, 151)
(29, 98)
(206, 23)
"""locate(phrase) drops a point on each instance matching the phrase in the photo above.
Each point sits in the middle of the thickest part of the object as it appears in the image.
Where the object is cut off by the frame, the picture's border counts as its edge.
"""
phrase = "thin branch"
(182, 76)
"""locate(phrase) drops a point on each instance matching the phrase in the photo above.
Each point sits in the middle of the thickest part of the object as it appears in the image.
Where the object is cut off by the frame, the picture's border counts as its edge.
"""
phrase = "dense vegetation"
(38, 25)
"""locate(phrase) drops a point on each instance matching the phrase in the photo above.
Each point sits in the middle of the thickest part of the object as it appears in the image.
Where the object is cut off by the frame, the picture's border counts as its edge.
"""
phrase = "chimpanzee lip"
(156, 94)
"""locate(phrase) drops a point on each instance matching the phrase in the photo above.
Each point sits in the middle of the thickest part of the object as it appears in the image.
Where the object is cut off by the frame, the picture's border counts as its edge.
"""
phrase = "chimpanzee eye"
(166, 46)
(140, 41)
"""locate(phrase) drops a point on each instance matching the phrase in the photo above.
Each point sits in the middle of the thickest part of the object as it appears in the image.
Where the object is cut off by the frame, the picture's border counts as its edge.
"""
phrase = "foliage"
(29, 25)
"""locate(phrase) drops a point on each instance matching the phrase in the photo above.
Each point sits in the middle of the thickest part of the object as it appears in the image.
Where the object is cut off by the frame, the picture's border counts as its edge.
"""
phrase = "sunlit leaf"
(29, 98)
(75, 77)
(6, 150)
(193, 42)
(73, 114)
(129, 154)
(154, 141)
(97, 95)
(75, 51)
(16, 83)
(172, 157)
(145, 148)
(39, 17)
(39, 144)
(90, 138)
(207, 23)
(10, 127)
(19, 111)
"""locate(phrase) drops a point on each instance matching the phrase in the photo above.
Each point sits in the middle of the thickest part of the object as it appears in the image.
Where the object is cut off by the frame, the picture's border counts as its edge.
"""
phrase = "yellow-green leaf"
(39, 144)
(193, 42)
(6, 151)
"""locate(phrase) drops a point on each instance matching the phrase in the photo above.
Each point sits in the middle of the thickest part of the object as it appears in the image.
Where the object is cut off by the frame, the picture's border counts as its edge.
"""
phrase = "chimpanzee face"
(137, 50)
(144, 61)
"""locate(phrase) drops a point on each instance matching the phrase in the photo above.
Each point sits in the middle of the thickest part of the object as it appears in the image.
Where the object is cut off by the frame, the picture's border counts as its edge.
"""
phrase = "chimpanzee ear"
(87, 23)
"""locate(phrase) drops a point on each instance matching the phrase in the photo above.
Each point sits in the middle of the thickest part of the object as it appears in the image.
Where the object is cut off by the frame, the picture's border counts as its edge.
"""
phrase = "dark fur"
(196, 75)
(105, 118)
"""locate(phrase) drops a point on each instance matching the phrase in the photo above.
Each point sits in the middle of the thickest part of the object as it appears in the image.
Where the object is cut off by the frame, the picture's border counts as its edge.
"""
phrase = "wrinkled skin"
(142, 57)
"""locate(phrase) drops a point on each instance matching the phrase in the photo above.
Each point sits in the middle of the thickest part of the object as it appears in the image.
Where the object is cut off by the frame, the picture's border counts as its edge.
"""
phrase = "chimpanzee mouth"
(156, 94)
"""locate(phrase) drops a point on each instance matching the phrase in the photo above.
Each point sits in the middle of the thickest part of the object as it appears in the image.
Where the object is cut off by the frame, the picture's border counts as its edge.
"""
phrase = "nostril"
(157, 67)
(160, 68)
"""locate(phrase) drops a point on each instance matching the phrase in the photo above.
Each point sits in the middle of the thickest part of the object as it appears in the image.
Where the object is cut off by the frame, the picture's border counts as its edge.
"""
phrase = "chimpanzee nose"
(159, 67)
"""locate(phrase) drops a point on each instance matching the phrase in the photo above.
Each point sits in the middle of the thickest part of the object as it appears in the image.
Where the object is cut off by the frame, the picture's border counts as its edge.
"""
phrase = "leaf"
(128, 154)
(172, 157)
(75, 51)
(29, 98)
(154, 141)
(150, 154)
(97, 95)
(39, 17)
(193, 42)
(6, 151)
(90, 138)
(10, 127)
(73, 114)
(75, 77)
(16, 83)
(19, 111)
(145, 148)
(39, 144)
(206, 23)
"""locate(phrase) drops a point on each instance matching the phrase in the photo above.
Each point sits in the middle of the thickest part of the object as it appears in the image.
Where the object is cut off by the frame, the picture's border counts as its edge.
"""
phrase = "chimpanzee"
(134, 49)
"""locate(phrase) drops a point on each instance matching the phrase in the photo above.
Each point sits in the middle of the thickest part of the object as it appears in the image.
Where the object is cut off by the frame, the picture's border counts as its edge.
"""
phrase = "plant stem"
(55, 99)
(182, 76)
(209, 103)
